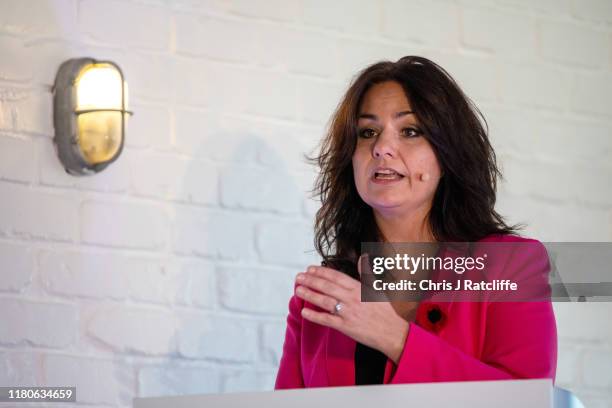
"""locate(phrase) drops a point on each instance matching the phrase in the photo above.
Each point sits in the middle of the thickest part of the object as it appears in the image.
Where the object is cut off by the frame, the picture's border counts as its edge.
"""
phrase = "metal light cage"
(66, 115)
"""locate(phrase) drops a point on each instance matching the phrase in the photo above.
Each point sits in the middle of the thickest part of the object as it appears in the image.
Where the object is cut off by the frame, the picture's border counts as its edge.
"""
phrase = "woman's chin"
(393, 205)
(386, 205)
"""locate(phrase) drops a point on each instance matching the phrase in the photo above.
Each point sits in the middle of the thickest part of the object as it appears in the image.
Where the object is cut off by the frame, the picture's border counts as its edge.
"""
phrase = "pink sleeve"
(520, 340)
(289, 372)
(515, 348)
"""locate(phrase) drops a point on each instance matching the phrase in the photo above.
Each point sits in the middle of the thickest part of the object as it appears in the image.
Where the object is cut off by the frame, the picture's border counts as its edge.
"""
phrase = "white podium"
(474, 394)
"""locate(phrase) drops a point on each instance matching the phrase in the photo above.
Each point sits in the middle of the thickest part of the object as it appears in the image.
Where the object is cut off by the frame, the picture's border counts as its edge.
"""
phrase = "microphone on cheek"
(424, 176)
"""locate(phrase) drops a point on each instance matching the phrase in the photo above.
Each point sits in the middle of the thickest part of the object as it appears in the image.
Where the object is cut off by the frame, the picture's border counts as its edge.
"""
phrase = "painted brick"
(173, 379)
(97, 381)
(596, 369)
(200, 290)
(413, 21)
(582, 315)
(272, 339)
(127, 225)
(45, 18)
(157, 282)
(572, 44)
(288, 49)
(267, 289)
(549, 8)
(33, 113)
(318, 99)
(510, 35)
(281, 10)
(100, 275)
(20, 369)
(201, 6)
(591, 94)
(6, 117)
(279, 92)
(135, 25)
(551, 138)
(244, 381)
(198, 134)
(226, 40)
(22, 215)
(16, 63)
(579, 181)
(128, 330)
(542, 218)
(535, 86)
(213, 234)
(270, 189)
(568, 359)
(39, 324)
(364, 16)
(96, 275)
(12, 165)
(216, 337)
(17, 267)
(170, 177)
(595, 10)
(149, 127)
(286, 243)
(194, 93)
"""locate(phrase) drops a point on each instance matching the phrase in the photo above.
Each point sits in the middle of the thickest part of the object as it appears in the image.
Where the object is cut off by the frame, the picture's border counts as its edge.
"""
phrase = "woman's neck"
(406, 228)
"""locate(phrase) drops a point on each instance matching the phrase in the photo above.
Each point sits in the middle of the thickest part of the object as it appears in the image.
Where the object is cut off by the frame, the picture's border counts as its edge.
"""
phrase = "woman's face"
(394, 166)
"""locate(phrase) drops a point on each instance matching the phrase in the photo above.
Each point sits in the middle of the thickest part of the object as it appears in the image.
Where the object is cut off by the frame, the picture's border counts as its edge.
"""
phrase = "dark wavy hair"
(463, 205)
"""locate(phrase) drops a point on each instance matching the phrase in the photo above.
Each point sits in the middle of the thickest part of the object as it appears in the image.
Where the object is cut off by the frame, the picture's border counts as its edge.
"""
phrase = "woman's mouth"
(386, 176)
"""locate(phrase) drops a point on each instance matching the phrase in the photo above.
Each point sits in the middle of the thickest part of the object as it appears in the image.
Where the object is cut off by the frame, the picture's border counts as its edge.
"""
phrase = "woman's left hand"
(374, 324)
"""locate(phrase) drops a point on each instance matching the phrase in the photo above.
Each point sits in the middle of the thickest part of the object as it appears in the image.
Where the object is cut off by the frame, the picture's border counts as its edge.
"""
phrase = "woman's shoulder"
(499, 237)
(521, 260)
(518, 248)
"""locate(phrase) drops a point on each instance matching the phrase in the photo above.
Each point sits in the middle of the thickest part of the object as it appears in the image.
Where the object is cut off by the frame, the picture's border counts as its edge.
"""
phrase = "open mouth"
(387, 175)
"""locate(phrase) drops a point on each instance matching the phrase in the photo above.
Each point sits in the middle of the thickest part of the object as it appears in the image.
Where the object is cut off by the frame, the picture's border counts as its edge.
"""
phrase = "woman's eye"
(412, 132)
(366, 133)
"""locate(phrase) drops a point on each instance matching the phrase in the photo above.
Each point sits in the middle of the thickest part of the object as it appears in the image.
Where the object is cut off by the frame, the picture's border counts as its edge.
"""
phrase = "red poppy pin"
(431, 317)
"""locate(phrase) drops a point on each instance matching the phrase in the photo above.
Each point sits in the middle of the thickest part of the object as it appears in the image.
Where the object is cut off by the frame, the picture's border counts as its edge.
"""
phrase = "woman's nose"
(385, 145)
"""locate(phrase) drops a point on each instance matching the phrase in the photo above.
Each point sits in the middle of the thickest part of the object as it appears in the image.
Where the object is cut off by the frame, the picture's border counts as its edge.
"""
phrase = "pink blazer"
(477, 340)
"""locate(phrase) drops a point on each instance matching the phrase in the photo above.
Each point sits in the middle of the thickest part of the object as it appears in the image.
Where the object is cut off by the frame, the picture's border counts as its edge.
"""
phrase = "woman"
(407, 159)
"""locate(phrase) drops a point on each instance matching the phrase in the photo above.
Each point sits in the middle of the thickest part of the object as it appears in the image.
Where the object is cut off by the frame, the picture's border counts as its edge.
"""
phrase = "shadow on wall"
(249, 247)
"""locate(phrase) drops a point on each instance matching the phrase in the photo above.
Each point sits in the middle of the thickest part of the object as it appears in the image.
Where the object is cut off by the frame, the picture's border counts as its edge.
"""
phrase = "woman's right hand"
(406, 309)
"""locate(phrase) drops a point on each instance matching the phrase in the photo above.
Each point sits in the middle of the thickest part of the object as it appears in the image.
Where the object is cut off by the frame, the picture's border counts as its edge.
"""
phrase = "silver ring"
(337, 308)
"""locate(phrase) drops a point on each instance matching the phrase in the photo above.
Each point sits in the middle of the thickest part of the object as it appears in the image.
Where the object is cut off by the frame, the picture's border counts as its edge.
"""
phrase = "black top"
(369, 365)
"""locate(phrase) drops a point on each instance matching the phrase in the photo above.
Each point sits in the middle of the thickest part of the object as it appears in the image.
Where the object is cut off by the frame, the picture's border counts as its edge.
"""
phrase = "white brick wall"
(46, 324)
(170, 272)
(177, 380)
(98, 381)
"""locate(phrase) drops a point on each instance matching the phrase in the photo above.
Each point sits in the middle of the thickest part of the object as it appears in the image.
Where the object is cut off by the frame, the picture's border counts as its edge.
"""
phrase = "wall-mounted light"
(89, 114)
